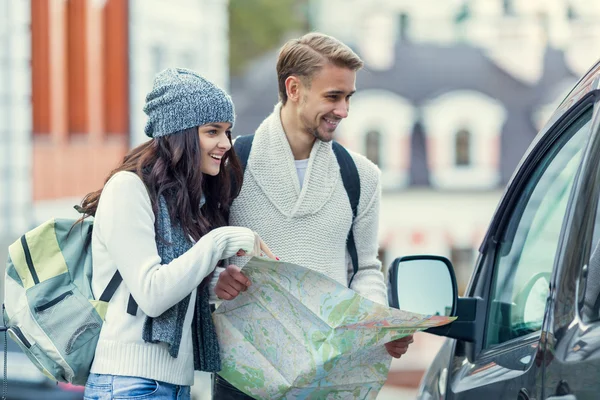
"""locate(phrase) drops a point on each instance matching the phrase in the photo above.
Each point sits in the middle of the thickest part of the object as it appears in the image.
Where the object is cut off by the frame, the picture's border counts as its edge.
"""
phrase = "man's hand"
(399, 346)
(231, 282)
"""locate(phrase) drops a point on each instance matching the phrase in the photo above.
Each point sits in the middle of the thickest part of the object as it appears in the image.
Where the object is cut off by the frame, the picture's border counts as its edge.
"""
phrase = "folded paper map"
(297, 334)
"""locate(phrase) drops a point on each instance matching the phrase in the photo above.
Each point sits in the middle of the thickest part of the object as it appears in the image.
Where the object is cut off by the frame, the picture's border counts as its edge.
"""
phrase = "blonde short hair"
(304, 56)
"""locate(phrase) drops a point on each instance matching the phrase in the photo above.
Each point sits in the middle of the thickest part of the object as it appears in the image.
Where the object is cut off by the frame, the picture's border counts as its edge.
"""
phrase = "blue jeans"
(109, 387)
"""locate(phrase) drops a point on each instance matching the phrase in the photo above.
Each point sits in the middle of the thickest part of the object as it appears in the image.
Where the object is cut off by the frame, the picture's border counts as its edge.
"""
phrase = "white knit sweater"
(123, 239)
(309, 225)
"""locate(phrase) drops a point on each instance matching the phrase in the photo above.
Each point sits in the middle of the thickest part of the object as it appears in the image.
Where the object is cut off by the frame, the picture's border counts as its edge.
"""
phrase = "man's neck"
(300, 142)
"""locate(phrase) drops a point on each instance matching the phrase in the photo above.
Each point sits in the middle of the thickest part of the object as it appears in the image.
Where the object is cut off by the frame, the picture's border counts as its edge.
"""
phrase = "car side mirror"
(423, 284)
(427, 285)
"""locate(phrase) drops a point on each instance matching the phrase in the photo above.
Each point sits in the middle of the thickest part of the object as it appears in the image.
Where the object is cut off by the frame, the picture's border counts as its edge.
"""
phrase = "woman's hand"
(260, 247)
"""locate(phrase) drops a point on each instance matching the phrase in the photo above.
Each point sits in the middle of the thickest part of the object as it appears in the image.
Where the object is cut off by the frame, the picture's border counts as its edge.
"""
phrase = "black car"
(529, 324)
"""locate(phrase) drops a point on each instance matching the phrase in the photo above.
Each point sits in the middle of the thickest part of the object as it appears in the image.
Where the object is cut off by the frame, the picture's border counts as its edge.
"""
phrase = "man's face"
(325, 101)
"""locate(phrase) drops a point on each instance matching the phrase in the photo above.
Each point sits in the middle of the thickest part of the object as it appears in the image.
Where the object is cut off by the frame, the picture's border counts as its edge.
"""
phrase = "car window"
(590, 303)
(525, 255)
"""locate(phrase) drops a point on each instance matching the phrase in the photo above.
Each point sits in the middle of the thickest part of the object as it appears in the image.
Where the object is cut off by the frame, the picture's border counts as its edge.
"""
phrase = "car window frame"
(575, 256)
(481, 282)
(513, 222)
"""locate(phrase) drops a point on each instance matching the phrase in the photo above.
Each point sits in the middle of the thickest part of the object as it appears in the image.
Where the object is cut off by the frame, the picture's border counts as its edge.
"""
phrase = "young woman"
(160, 222)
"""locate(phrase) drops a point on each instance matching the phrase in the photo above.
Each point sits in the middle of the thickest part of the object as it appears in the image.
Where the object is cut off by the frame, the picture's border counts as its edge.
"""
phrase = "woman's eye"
(212, 132)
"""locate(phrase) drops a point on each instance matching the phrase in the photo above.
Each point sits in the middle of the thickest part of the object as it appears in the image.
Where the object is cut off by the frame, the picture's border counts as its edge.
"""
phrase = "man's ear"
(293, 87)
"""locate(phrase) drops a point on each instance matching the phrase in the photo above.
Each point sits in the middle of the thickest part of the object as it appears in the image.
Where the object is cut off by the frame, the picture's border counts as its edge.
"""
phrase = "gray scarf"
(172, 242)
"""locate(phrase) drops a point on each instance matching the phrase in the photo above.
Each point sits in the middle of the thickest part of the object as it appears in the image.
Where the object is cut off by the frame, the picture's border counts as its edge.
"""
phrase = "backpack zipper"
(17, 332)
(54, 302)
(29, 261)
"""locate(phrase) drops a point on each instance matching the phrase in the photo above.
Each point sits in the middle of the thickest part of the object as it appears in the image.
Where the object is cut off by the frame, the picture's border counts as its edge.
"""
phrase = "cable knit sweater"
(308, 225)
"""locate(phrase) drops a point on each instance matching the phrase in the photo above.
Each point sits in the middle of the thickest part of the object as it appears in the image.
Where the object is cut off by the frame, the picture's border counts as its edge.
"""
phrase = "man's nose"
(341, 111)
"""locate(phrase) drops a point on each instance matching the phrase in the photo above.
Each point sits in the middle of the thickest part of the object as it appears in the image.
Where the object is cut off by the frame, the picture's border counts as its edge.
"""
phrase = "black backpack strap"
(351, 182)
(242, 146)
(110, 290)
(132, 306)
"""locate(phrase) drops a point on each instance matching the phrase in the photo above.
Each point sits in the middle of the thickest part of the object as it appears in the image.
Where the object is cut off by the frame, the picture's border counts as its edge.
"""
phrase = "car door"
(515, 267)
(571, 351)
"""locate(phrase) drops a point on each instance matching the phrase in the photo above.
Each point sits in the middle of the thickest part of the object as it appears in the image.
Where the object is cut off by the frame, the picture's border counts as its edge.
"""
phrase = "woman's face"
(214, 143)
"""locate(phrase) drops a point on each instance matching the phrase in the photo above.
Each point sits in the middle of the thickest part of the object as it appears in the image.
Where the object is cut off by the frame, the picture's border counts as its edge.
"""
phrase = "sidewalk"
(396, 393)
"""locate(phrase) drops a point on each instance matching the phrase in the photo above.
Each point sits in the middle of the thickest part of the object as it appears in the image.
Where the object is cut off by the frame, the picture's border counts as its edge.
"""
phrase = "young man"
(293, 195)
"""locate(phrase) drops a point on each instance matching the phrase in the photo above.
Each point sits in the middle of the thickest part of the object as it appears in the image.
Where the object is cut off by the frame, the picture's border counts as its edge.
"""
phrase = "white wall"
(15, 125)
(15, 117)
(427, 221)
(178, 33)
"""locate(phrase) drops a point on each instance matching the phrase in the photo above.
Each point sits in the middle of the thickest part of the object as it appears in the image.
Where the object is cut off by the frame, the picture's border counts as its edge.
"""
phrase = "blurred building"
(447, 112)
(73, 78)
(15, 129)
(93, 62)
(451, 96)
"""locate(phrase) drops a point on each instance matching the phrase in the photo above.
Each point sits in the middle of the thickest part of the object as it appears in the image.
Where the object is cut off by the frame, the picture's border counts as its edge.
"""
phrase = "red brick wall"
(79, 93)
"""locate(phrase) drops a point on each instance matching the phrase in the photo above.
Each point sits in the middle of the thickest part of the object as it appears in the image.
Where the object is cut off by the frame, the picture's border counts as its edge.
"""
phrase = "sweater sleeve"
(369, 280)
(125, 220)
(213, 299)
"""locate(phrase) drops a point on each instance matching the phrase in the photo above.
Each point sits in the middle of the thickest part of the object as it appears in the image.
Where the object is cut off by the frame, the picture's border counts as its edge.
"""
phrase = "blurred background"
(452, 94)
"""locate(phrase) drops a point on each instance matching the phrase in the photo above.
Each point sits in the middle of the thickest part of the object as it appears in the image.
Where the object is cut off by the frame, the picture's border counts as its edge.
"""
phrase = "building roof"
(421, 73)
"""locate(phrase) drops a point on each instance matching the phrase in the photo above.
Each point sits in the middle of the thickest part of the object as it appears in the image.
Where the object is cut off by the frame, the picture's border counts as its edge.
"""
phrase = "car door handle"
(565, 397)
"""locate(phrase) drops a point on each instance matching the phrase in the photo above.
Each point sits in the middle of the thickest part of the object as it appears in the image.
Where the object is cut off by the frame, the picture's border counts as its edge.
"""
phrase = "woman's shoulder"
(124, 181)
(126, 177)
(125, 184)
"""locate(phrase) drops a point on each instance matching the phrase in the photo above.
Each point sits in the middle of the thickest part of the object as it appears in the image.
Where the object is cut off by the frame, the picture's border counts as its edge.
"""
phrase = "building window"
(508, 7)
(462, 259)
(373, 141)
(157, 56)
(188, 60)
(544, 22)
(463, 148)
(403, 27)
(463, 14)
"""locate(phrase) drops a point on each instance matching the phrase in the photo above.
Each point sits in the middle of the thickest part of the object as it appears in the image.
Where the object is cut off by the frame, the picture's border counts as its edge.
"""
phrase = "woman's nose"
(225, 144)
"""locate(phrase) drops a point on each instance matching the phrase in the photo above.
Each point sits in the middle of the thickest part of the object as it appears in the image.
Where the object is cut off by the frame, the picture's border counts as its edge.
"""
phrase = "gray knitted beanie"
(182, 99)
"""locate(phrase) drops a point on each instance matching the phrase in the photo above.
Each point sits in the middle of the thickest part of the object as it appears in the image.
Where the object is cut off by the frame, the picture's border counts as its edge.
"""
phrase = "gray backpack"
(49, 308)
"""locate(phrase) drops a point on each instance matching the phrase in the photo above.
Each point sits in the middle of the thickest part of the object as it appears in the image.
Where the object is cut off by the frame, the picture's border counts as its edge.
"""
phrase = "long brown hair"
(170, 166)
